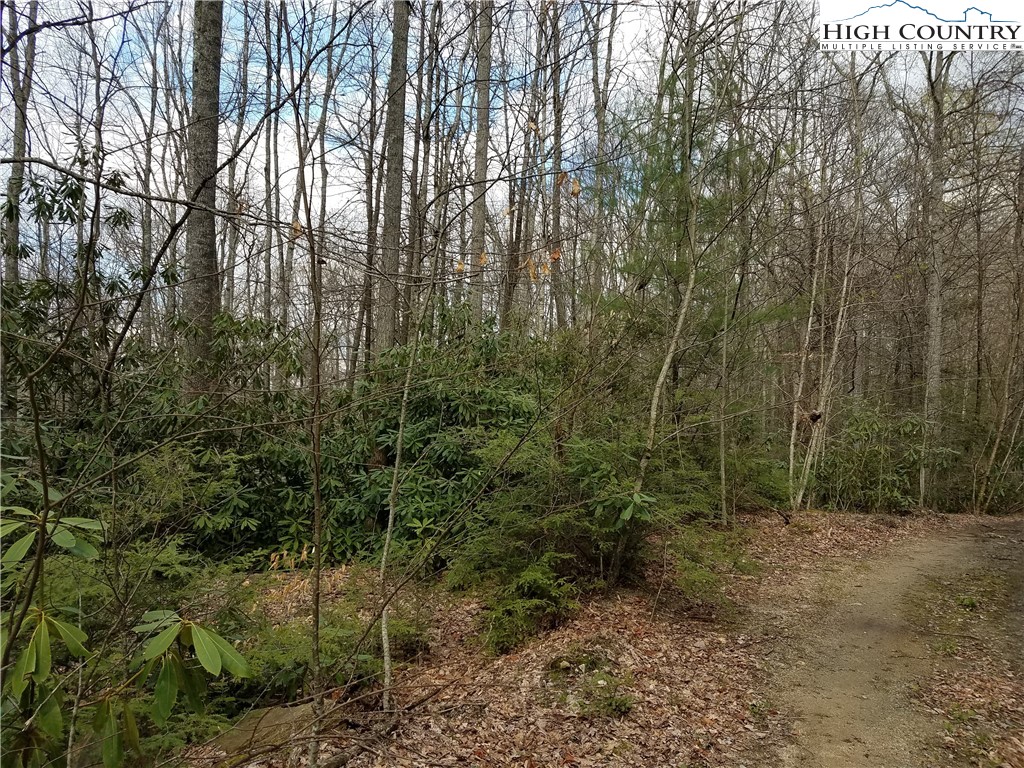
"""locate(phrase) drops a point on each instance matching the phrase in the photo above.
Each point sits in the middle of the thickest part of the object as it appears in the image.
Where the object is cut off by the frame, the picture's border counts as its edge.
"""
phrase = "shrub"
(872, 463)
(584, 676)
(537, 599)
(702, 553)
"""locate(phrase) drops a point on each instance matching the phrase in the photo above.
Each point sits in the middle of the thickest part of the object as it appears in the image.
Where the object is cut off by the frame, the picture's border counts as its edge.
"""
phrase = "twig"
(661, 585)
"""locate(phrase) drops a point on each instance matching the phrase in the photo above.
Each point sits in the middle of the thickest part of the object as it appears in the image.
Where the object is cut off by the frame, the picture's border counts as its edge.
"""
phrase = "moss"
(585, 679)
(703, 553)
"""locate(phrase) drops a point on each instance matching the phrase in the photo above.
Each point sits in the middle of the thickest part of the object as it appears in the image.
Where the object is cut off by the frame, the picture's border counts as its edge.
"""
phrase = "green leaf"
(73, 637)
(23, 669)
(113, 752)
(102, 716)
(147, 670)
(41, 639)
(161, 642)
(18, 549)
(83, 522)
(152, 620)
(48, 716)
(166, 692)
(7, 480)
(9, 527)
(233, 661)
(64, 538)
(194, 684)
(206, 650)
(84, 550)
(18, 511)
(131, 728)
(159, 615)
(52, 493)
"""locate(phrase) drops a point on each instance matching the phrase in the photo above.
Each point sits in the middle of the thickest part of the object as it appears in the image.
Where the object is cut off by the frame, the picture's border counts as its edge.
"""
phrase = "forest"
(329, 326)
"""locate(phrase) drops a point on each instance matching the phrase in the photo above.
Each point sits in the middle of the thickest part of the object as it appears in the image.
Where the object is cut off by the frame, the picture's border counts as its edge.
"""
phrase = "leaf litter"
(692, 689)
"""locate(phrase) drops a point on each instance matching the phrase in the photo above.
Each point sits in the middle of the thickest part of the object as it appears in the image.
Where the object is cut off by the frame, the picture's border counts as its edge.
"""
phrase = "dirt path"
(863, 646)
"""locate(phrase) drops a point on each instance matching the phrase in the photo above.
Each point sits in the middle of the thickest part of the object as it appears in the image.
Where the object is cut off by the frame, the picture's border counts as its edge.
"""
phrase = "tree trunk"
(202, 289)
(477, 246)
(21, 85)
(937, 66)
(386, 325)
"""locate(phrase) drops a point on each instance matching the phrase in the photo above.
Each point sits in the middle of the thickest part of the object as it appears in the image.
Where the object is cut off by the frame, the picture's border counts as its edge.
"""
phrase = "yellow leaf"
(460, 267)
(561, 179)
(483, 258)
(576, 188)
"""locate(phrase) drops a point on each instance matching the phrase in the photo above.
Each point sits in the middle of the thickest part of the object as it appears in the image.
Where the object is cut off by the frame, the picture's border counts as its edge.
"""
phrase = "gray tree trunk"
(386, 324)
(477, 245)
(937, 67)
(21, 85)
(202, 287)
(559, 179)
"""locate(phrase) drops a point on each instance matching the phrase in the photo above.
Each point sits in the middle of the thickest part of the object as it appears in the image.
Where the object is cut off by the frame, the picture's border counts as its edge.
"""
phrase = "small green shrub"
(281, 656)
(946, 648)
(702, 554)
(967, 602)
(872, 464)
(602, 697)
(537, 599)
(760, 710)
(698, 582)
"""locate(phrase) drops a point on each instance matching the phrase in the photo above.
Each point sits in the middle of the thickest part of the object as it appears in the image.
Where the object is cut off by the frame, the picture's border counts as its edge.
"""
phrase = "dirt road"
(872, 636)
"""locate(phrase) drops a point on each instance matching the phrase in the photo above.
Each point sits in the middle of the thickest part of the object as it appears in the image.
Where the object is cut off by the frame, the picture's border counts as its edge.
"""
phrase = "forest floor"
(911, 658)
(860, 641)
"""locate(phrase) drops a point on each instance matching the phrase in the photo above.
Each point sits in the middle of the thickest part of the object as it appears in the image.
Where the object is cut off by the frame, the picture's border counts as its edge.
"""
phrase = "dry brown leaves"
(692, 689)
(982, 702)
(694, 686)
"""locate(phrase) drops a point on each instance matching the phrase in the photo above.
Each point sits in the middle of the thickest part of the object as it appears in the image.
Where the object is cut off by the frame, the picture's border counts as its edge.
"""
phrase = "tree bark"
(386, 325)
(937, 66)
(202, 289)
(21, 85)
(477, 245)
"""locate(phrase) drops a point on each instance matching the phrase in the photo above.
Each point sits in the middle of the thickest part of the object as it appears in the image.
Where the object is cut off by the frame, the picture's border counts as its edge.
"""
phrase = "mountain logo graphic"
(983, 17)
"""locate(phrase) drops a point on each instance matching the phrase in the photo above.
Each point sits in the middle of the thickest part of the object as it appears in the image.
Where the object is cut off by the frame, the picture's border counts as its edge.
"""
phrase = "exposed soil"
(867, 648)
